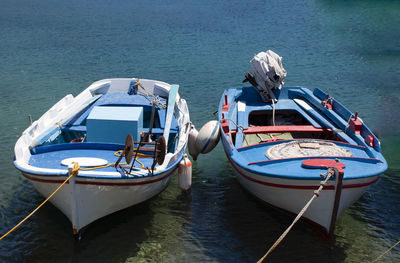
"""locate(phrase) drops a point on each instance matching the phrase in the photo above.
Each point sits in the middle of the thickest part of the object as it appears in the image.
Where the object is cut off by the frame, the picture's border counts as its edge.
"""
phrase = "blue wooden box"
(112, 124)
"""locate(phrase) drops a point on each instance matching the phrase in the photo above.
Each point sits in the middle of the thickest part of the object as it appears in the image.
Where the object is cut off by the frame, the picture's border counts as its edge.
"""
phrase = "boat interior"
(102, 135)
(287, 130)
(285, 125)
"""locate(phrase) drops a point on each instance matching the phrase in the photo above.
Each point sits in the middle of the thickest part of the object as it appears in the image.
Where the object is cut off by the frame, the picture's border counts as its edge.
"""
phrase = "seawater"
(48, 49)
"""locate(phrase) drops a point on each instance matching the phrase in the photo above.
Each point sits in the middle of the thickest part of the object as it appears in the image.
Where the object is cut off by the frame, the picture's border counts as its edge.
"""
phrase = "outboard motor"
(268, 74)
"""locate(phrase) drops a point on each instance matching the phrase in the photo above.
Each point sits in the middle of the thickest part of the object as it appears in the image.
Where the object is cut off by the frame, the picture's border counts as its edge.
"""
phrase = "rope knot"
(73, 169)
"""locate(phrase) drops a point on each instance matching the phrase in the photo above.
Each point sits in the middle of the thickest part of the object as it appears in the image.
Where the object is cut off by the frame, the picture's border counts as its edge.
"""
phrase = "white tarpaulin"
(268, 72)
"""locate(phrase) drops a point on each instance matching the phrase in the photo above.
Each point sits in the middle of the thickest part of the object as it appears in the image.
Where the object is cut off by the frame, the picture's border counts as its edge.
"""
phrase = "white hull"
(86, 200)
(292, 195)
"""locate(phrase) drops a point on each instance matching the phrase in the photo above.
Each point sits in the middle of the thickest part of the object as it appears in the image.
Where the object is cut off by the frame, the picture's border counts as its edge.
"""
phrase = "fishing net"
(305, 148)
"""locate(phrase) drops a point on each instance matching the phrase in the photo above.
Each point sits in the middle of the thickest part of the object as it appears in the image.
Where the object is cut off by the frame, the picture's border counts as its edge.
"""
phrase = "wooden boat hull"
(92, 127)
(275, 169)
(292, 195)
(84, 200)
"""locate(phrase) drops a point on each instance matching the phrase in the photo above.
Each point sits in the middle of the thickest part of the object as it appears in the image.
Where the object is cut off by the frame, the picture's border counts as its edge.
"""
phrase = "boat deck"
(51, 156)
(254, 157)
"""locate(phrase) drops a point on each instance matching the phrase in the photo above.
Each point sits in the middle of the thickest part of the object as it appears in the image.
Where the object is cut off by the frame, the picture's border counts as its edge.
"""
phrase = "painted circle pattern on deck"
(85, 161)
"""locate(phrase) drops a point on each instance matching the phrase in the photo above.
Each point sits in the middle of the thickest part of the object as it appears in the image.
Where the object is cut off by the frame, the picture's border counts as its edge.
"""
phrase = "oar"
(173, 91)
(307, 108)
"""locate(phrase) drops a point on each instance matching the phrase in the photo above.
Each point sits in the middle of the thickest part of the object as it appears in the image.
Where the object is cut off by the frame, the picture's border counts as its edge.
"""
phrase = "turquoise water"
(51, 48)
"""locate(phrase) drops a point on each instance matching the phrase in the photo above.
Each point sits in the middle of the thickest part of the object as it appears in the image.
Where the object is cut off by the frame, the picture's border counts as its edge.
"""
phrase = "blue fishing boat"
(128, 137)
(279, 140)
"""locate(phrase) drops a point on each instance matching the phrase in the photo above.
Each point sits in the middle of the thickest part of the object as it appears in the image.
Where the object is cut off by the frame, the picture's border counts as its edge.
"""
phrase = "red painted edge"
(309, 157)
(100, 183)
(300, 139)
(285, 128)
(322, 164)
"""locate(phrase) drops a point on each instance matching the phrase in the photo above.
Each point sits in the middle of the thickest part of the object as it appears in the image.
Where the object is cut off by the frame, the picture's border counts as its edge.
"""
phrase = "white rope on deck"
(237, 126)
(329, 173)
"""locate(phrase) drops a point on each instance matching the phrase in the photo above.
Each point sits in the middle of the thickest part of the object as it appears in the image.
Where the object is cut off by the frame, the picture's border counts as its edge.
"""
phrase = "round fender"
(208, 137)
(192, 143)
(185, 174)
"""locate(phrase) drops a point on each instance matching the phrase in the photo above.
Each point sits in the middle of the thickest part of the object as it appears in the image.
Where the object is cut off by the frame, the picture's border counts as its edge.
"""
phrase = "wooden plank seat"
(283, 128)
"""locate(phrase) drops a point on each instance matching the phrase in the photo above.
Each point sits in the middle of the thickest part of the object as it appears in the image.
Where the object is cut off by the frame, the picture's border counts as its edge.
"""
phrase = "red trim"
(225, 107)
(101, 183)
(284, 128)
(311, 157)
(300, 139)
(361, 185)
(43, 180)
(302, 187)
(355, 125)
(323, 164)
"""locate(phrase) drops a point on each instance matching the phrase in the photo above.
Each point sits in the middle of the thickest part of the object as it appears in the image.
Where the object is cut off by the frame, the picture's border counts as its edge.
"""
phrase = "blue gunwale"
(313, 186)
(292, 169)
(290, 140)
(63, 172)
(149, 180)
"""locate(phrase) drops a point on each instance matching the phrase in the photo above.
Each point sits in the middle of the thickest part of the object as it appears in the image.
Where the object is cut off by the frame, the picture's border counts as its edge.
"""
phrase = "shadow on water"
(216, 221)
(47, 235)
(142, 233)
(247, 228)
(231, 225)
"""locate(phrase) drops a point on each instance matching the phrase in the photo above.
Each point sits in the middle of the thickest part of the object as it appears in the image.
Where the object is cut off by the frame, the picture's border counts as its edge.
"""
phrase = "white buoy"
(185, 173)
(192, 143)
(208, 137)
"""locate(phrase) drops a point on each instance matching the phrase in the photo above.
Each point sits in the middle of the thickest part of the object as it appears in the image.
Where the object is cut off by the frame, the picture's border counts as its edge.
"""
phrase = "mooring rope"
(238, 126)
(329, 173)
(384, 253)
(118, 154)
(273, 112)
(74, 172)
(348, 123)
(156, 99)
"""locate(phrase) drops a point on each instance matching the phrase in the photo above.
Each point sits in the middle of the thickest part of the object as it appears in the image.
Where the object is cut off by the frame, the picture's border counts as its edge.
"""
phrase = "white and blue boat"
(146, 121)
(279, 140)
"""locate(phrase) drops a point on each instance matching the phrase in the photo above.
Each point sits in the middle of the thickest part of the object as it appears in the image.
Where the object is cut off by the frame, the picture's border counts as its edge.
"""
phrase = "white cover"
(268, 72)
